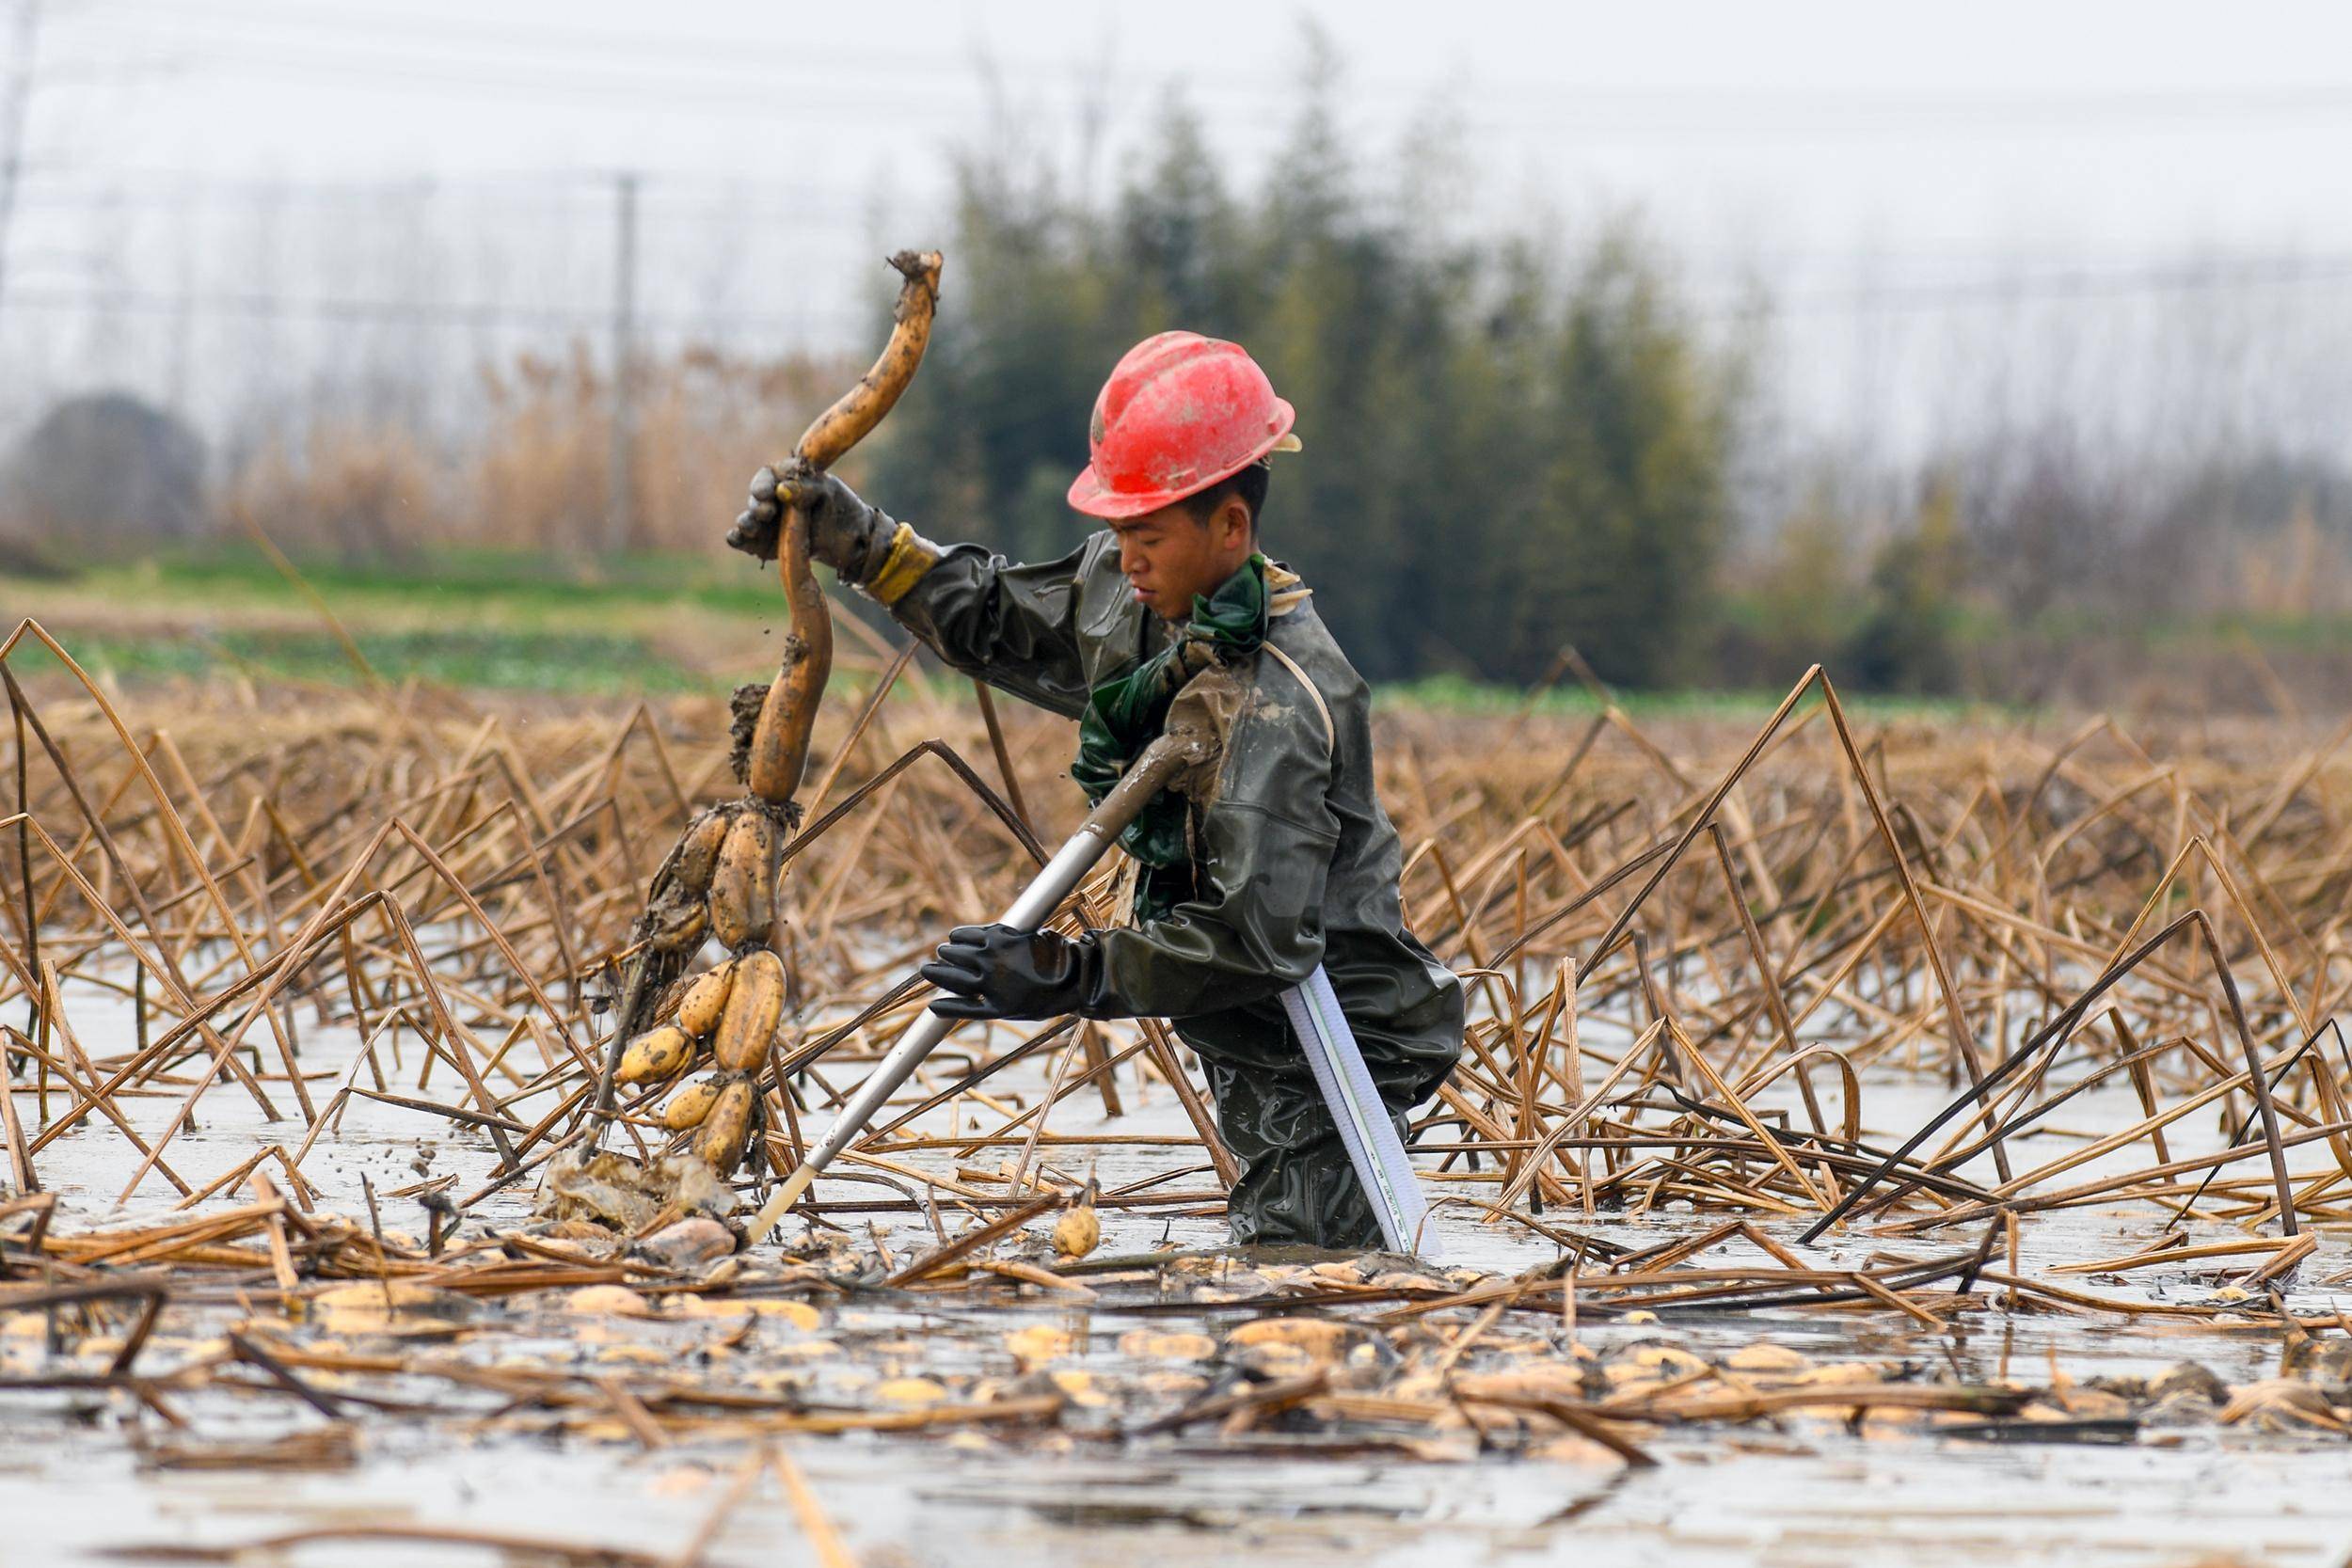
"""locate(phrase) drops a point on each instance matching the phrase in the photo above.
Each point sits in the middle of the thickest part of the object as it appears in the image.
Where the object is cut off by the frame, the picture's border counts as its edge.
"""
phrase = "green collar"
(1127, 712)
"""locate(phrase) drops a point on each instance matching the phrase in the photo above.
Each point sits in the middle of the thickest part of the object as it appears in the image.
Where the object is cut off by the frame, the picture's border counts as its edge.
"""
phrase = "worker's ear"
(1233, 527)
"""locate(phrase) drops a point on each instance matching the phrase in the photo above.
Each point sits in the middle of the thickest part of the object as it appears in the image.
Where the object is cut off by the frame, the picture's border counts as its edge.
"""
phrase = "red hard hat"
(1178, 413)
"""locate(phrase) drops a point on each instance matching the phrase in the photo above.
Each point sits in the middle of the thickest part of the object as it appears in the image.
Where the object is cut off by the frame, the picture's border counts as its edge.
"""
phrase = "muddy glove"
(842, 532)
(872, 553)
(996, 972)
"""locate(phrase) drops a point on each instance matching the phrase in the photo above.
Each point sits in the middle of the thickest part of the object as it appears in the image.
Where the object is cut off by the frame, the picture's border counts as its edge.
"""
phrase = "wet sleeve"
(1255, 928)
(1013, 625)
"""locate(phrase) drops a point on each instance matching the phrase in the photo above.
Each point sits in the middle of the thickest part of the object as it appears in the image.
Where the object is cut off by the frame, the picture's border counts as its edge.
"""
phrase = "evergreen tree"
(1907, 643)
(1505, 453)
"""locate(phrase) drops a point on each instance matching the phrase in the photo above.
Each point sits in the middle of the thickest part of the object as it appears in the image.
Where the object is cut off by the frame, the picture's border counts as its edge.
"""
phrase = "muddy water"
(1798, 1489)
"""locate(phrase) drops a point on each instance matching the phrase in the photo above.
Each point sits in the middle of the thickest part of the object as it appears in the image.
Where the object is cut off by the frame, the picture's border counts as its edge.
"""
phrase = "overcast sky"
(1835, 149)
(2081, 124)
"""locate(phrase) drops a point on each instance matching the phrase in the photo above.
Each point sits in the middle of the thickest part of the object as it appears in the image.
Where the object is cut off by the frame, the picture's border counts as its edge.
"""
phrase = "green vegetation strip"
(522, 584)
(585, 664)
(536, 622)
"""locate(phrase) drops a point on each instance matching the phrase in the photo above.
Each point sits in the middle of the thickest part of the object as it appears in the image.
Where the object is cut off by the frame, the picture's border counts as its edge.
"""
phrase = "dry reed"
(1695, 955)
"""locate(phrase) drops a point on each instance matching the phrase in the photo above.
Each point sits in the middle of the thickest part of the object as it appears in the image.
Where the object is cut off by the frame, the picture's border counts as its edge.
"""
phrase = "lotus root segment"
(743, 890)
(688, 1108)
(859, 410)
(705, 1002)
(656, 1055)
(697, 853)
(726, 1125)
(1077, 1232)
(679, 923)
(754, 1007)
(779, 753)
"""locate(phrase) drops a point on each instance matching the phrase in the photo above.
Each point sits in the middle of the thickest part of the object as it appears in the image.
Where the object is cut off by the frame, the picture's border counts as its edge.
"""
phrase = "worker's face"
(1169, 556)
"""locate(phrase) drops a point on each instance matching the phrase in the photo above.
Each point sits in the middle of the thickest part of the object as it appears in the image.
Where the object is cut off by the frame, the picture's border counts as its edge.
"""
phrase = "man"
(1287, 863)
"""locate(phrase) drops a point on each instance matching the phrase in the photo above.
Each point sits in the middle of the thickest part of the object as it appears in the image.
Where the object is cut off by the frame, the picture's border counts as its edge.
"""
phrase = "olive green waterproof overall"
(1294, 864)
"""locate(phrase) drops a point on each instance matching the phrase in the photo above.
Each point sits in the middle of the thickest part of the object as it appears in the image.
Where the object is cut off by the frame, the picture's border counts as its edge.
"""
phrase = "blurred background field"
(1707, 349)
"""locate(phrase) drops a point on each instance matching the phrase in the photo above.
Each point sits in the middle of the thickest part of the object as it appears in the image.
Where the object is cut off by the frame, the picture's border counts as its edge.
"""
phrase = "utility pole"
(13, 117)
(620, 521)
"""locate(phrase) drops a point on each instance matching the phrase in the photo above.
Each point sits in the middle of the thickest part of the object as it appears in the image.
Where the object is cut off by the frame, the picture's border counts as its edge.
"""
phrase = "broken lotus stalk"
(721, 879)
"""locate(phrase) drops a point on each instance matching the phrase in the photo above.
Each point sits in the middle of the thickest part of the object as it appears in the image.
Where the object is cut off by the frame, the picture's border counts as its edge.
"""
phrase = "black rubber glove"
(996, 972)
(842, 532)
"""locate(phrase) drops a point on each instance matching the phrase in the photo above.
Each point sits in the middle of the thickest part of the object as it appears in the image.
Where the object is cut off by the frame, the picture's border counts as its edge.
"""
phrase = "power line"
(728, 57)
(792, 208)
(731, 81)
(2064, 284)
(539, 43)
(732, 202)
(2017, 288)
(1594, 122)
(488, 315)
(688, 199)
(736, 84)
(582, 183)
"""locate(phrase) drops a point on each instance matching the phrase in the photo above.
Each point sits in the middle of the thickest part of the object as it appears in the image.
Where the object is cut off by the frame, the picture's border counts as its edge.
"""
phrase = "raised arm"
(1013, 625)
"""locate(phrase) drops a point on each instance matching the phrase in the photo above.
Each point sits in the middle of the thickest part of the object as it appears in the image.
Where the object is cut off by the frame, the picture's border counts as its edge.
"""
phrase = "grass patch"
(539, 620)
(523, 585)
(1456, 694)
(482, 659)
